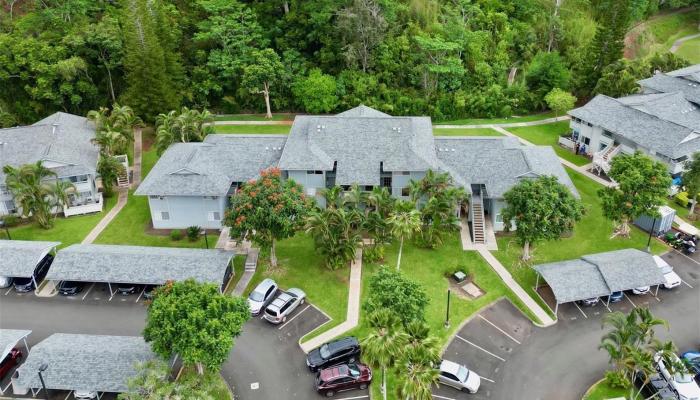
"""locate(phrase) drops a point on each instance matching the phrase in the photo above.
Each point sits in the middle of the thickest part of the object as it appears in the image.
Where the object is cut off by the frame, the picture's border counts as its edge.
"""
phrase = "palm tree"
(335, 234)
(114, 130)
(418, 373)
(332, 196)
(355, 198)
(61, 192)
(109, 169)
(32, 192)
(405, 221)
(185, 126)
(418, 334)
(383, 345)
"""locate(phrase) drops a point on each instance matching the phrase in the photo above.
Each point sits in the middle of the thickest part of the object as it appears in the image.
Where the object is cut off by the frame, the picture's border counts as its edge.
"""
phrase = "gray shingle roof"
(626, 269)
(9, 338)
(646, 129)
(600, 274)
(498, 163)
(671, 107)
(68, 143)
(138, 265)
(18, 258)
(84, 362)
(359, 141)
(693, 72)
(573, 280)
(667, 83)
(209, 168)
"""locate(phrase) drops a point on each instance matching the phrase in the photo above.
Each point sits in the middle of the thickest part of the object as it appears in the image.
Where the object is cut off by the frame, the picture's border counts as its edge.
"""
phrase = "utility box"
(658, 225)
(459, 276)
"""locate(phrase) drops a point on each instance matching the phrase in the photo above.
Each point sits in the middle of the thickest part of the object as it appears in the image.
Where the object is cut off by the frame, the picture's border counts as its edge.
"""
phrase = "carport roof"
(600, 274)
(18, 258)
(138, 265)
(573, 280)
(84, 362)
(9, 339)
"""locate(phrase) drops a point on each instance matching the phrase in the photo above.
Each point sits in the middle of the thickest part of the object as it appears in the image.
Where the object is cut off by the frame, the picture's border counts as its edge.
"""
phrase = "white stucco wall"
(185, 211)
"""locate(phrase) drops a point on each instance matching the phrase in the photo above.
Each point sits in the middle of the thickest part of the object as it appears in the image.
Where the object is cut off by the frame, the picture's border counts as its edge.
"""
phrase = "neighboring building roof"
(671, 107)
(84, 362)
(600, 274)
(692, 72)
(138, 265)
(209, 168)
(675, 81)
(359, 142)
(9, 338)
(19, 258)
(648, 129)
(63, 141)
(498, 163)
(573, 280)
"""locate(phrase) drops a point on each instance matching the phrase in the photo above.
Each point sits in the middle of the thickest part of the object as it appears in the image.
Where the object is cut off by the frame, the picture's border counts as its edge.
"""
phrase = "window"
(405, 192)
(153, 197)
(10, 206)
(607, 134)
(386, 182)
(314, 172)
(368, 188)
(586, 140)
(499, 217)
(78, 178)
(405, 173)
(214, 216)
(164, 216)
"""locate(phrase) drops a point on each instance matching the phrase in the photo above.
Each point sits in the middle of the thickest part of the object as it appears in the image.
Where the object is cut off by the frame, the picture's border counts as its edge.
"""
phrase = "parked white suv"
(672, 278)
(682, 382)
(459, 377)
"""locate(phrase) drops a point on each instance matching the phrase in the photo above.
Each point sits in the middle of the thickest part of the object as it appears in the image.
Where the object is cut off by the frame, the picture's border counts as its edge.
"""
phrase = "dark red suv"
(10, 361)
(340, 378)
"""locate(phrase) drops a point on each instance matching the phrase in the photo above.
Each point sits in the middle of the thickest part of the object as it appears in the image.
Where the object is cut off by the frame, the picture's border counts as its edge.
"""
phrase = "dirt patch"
(458, 289)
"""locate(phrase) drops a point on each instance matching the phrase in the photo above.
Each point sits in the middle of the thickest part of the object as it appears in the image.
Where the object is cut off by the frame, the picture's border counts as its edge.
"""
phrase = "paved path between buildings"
(682, 40)
(507, 124)
(683, 226)
(248, 271)
(136, 168)
(95, 232)
(507, 278)
(353, 313)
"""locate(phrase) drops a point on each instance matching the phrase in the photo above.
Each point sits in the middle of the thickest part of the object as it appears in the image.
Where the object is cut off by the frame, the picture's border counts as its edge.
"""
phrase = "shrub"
(449, 272)
(617, 379)
(682, 199)
(389, 289)
(193, 233)
(10, 220)
(176, 234)
(373, 254)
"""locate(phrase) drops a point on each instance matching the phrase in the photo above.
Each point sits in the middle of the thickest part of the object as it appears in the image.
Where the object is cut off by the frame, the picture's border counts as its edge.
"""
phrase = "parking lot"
(91, 292)
(267, 363)
(519, 360)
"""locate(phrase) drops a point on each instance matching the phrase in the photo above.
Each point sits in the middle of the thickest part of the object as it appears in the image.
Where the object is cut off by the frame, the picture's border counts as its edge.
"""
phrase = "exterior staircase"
(601, 159)
(478, 224)
(251, 260)
(123, 178)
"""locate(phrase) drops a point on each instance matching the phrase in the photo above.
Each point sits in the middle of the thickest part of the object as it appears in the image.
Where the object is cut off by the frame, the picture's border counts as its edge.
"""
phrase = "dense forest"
(444, 58)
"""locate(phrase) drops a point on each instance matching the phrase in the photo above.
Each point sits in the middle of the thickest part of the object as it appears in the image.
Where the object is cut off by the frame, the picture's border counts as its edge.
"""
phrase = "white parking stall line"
(88, 291)
(68, 395)
(442, 397)
(356, 397)
(8, 290)
(698, 263)
(630, 300)
(480, 348)
(4, 390)
(686, 283)
(499, 329)
(486, 379)
(292, 319)
(141, 294)
(579, 308)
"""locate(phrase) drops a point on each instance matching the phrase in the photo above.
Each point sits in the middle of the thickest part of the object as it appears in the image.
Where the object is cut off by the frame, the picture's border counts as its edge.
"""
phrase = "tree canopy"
(391, 290)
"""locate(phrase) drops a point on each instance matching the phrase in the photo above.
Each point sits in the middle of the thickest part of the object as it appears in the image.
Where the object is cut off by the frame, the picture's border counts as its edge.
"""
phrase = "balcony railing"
(88, 207)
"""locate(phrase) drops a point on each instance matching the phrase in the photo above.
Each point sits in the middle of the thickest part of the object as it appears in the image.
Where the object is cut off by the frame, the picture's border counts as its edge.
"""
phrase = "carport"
(19, 258)
(599, 274)
(9, 338)
(140, 265)
(81, 362)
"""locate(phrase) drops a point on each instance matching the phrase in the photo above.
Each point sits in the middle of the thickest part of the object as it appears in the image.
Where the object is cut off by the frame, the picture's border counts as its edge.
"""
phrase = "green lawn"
(690, 50)
(253, 129)
(216, 386)
(148, 160)
(591, 235)
(602, 391)
(548, 135)
(68, 231)
(466, 132)
(129, 228)
(253, 117)
(487, 121)
(659, 33)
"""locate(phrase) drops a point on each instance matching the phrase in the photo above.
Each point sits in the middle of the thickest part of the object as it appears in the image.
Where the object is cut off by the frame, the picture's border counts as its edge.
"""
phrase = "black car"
(70, 288)
(126, 289)
(23, 285)
(339, 351)
(148, 291)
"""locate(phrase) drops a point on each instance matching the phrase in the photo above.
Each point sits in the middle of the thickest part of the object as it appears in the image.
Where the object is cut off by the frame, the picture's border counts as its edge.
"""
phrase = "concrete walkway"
(95, 232)
(682, 40)
(507, 278)
(251, 263)
(353, 314)
(506, 125)
(136, 168)
(685, 227)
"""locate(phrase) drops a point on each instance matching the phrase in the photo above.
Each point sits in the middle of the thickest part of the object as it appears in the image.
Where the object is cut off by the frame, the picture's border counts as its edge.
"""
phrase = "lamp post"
(206, 240)
(43, 368)
(651, 232)
(7, 231)
(447, 315)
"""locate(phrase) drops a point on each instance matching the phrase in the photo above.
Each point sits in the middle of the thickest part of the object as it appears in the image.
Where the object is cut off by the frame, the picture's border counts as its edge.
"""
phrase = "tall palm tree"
(380, 201)
(418, 336)
(61, 192)
(355, 198)
(32, 191)
(405, 221)
(335, 234)
(114, 129)
(383, 345)
(418, 373)
(333, 196)
(186, 126)
(109, 169)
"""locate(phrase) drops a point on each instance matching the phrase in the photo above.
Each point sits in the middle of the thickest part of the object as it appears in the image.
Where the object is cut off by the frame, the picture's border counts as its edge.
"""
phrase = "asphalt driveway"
(521, 361)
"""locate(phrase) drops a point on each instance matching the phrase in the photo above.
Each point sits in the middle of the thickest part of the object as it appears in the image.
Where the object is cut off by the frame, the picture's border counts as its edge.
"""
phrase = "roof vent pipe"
(53, 128)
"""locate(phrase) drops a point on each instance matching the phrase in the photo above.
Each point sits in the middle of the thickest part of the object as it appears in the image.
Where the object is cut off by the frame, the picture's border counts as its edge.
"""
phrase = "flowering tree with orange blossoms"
(267, 209)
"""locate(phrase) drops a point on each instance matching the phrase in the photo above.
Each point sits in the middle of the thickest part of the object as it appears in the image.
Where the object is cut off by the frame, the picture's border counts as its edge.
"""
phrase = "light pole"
(447, 316)
(651, 231)
(206, 240)
(7, 231)
(43, 368)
